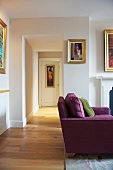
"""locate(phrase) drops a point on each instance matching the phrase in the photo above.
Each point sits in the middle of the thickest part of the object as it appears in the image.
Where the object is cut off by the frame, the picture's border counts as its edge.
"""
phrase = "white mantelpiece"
(106, 86)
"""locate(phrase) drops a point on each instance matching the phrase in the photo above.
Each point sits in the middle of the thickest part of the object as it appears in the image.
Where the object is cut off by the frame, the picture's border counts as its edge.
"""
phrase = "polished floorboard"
(37, 146)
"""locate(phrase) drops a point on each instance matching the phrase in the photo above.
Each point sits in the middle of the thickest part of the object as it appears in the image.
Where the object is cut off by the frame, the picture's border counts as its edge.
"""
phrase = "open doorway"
(34, 45)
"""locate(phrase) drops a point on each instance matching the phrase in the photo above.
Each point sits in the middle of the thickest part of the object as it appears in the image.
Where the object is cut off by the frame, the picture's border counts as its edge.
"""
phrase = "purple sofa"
(92, 135)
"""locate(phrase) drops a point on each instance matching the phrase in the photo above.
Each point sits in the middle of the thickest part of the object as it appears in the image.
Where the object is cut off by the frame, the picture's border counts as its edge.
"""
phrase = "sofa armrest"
(101, 110)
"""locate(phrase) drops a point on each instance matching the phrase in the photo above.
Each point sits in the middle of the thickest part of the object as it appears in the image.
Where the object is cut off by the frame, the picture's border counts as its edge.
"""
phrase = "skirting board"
(17, 124)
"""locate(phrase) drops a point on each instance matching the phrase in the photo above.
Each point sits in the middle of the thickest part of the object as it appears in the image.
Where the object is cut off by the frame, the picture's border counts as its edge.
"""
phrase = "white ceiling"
(95, 9)
(46, 43)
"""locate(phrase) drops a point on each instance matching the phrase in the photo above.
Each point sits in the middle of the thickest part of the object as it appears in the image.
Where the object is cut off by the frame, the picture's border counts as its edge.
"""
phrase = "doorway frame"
(60, 76)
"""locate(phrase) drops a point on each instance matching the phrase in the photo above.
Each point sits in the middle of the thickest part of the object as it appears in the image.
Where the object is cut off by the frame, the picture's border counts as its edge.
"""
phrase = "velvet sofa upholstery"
(91, 135)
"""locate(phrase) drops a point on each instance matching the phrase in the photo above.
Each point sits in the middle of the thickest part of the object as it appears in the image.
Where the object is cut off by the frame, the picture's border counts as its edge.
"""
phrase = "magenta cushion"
(70, 95)
(74, 106)
(67, 98)
(62, 107)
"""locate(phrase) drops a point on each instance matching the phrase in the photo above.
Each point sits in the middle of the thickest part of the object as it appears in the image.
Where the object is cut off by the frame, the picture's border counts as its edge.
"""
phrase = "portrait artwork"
(76, 51)
(50, 69)
(108, 38)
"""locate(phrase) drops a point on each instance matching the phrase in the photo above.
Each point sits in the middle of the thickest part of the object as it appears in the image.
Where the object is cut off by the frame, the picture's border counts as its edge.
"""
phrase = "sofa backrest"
(63, 113)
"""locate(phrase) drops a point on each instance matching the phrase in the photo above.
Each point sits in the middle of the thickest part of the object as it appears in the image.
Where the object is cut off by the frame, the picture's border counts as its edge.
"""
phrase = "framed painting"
(50, 75)
(77, 51)
(108, 46)
(3, 32)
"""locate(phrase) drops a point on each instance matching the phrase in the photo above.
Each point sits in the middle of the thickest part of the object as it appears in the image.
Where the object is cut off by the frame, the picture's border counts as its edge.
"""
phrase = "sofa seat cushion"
(89, 111)
(74, 106)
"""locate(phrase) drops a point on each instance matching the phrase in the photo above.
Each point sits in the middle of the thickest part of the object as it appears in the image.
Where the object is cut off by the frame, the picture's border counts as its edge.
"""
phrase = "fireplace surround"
(106, 88)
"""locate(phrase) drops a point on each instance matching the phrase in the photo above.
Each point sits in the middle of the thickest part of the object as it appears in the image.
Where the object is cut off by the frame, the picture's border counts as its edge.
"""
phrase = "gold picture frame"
(50, 76)
(76, 51)
(3, 34)
(108, 46)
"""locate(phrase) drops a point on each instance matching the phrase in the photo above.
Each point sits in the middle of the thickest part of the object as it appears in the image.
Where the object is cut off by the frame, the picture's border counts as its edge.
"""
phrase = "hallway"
(37, 146)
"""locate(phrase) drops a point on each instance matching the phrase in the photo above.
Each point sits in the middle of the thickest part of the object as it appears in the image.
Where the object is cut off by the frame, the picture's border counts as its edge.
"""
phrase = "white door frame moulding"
(60, 72)
(24, 120)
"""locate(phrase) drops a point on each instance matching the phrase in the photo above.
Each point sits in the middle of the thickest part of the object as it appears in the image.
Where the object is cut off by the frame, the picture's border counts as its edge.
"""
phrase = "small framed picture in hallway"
(76, 51)
(50, 75)
(3, 31)
(108, 41)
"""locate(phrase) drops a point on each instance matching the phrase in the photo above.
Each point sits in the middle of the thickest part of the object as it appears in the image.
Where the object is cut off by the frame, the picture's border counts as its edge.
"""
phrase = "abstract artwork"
(3, 31)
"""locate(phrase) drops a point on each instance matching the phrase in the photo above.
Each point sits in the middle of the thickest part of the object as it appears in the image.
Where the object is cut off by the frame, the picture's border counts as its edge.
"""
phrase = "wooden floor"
(37, 146)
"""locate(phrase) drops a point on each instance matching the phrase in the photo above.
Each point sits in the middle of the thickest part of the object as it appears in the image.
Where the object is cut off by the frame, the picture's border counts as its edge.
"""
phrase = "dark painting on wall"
(108, 41)
(50, 75)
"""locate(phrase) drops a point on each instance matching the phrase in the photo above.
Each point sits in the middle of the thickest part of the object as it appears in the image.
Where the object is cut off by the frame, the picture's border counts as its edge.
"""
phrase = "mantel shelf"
(104, 77)
(4, 91)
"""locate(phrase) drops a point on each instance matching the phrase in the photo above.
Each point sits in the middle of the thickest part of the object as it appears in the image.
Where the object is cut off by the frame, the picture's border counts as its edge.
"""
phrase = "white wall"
(35, 82)
(29, 78)
(31, 74)
(96, 58)
(75, 76)
(50, 54)
(4, 84)
(78, 78)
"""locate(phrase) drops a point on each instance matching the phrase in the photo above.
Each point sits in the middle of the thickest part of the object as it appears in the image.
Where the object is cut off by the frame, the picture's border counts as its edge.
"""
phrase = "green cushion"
(87, 107)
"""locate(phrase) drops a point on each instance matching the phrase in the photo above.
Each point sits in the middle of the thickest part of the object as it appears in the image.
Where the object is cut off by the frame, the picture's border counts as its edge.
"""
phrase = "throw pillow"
(87, 107)
(74, 106)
